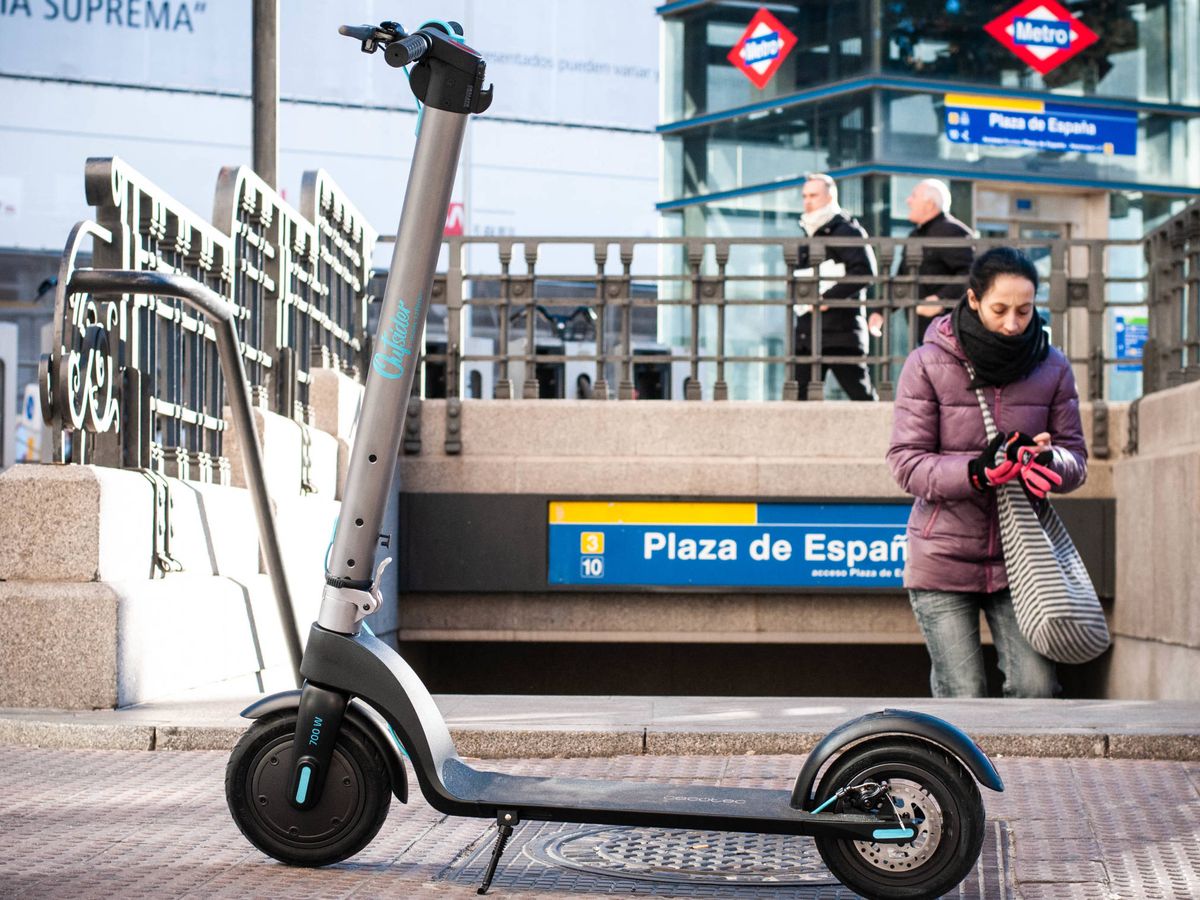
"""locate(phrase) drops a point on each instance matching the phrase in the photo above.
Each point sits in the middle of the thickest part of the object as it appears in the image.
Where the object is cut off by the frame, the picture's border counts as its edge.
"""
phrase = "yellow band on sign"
(975, 101)
(588, 512)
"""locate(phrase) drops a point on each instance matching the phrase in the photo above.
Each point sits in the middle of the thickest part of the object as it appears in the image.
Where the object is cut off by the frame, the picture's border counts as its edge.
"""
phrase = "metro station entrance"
(1044, 214)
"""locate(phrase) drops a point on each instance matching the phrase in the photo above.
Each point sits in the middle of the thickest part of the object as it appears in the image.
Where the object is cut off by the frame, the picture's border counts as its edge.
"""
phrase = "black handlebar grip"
(406, 50)
(358, 32)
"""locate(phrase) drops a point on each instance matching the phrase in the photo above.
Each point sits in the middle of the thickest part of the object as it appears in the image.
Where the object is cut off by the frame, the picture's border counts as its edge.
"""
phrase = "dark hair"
(999, 261)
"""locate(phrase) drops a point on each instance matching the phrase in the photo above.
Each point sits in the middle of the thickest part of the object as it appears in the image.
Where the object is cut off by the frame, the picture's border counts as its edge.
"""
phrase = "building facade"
(568, 146)
(1047, 120)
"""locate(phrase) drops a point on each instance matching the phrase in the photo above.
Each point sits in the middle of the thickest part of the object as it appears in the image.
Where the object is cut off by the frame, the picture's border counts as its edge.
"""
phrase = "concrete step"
(508, 726)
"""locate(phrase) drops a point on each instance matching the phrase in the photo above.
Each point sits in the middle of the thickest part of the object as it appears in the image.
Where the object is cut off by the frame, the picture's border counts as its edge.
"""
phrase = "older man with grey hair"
(929, 211)
(843, 328)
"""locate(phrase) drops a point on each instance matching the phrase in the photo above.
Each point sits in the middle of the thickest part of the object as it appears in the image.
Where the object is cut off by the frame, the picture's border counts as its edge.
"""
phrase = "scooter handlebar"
(407, 50)
(399, 49)
(358, 32)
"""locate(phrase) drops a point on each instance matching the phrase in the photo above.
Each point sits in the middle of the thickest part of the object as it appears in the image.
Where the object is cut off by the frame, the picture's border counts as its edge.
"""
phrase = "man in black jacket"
(843, 329)
(929, 210)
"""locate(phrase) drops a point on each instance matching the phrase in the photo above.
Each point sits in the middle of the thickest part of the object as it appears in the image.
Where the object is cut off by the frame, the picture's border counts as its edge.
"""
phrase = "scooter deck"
(363, 666)
(693, 806)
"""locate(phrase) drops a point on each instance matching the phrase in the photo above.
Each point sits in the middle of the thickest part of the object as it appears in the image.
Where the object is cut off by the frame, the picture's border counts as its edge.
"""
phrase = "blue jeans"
(950, 622)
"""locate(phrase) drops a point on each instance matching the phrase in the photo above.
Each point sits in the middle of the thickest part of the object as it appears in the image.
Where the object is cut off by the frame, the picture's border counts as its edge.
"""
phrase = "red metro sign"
(762, 48)
(1042, 33)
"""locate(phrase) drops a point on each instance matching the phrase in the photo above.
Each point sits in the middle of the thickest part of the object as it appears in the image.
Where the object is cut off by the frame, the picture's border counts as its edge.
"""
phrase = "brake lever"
(372, 36)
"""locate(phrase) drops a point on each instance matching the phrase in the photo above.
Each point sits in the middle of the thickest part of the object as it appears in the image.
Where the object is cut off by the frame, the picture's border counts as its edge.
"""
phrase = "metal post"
(625, 390)
(503, 389)
(600, 385)
(791, 261)
(695, 258)
(220, 313)
(721, 386)
(265, 91)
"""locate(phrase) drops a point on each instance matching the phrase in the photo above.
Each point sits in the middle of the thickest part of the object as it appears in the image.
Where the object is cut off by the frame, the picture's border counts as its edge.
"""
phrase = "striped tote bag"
(1055, 602)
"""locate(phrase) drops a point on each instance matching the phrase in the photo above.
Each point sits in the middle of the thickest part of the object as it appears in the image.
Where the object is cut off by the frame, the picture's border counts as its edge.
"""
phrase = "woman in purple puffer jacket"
(940, 454)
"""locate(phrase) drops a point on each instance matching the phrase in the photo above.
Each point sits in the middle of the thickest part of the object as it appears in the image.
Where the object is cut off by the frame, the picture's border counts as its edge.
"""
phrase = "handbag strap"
(989, 424)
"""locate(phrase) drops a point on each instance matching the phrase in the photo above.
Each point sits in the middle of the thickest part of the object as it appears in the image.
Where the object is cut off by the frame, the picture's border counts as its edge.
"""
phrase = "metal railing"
(699, 288)
(134, 380)
(1172, 351)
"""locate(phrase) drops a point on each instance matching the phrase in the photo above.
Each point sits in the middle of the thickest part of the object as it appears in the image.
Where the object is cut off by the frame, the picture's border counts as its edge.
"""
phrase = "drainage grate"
(701, 857)
(595, 859)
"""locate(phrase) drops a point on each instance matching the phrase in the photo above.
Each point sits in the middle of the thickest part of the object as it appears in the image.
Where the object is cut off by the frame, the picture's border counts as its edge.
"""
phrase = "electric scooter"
(890, 798)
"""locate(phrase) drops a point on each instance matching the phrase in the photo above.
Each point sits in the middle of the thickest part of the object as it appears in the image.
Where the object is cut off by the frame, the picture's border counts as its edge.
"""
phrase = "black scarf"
(998, 358)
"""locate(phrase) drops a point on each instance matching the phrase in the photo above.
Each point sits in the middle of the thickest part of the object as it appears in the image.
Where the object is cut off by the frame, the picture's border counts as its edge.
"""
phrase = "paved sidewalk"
(501, 726)
(125, 824)
(88, 814)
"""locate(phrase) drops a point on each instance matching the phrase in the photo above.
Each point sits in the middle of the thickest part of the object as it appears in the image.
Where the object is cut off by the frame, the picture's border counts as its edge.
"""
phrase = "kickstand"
(505, 820)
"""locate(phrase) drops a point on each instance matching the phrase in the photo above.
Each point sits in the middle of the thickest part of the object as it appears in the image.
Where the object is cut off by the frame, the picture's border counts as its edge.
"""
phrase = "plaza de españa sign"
(762, 48)
(1042, 33)
(727, 544)
(1040, 125)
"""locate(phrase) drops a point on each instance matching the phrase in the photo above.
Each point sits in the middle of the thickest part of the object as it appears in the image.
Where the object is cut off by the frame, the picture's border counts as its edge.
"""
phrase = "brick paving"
(123, 824)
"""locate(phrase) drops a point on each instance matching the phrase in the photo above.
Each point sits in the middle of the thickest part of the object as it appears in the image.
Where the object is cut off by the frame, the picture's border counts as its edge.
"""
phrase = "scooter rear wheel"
(348, 815)
(933, 794)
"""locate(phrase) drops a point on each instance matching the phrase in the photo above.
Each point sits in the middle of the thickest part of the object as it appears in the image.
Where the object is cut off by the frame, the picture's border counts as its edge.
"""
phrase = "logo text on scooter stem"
(396, 342)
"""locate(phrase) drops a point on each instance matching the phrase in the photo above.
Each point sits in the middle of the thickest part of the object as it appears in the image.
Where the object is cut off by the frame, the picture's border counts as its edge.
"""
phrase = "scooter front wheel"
(350, 812)
(931, 793)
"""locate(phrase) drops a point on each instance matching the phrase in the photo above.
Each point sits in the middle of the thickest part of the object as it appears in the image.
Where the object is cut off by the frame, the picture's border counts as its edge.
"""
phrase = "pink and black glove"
(985, 472)
(1033, 465)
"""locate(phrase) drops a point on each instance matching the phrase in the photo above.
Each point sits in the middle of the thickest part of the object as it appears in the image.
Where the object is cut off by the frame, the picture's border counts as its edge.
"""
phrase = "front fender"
(899, 722)
(367, 719)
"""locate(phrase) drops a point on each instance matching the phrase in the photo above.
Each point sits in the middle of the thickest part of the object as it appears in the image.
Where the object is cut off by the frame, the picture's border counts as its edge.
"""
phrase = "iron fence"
(703, 290)
(133, 380)
(1172, 351)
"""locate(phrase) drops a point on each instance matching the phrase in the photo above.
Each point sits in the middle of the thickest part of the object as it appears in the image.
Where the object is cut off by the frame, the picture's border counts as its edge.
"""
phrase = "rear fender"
(894, 723)
(362, 715)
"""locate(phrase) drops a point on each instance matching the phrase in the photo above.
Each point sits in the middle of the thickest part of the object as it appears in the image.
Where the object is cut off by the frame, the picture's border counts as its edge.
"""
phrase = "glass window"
(774, 145)
(1145, 51)
(699, 79)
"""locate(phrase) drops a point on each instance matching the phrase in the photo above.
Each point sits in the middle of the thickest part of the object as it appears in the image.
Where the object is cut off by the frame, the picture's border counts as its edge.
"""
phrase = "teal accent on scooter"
(825, 804)
(885, 833)
(305, 777)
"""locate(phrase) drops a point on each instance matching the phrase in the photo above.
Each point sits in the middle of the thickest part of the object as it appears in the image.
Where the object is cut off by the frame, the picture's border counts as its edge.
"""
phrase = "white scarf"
(815, 220)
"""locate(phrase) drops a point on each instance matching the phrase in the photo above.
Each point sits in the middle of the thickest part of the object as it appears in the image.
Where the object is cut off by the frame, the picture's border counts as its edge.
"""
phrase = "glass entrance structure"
(862, 95)
(882, 93)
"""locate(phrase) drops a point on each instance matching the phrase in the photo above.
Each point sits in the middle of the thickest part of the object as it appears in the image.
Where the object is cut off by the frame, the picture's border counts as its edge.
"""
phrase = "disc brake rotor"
(919, 811)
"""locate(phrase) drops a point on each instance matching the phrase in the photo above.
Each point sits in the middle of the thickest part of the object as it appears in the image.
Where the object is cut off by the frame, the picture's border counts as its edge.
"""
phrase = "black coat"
(841, 329)
(943, 260)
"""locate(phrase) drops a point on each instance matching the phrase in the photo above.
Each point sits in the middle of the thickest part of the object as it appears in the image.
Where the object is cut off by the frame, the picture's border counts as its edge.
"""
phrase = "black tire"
(349, 814)
(934, 793)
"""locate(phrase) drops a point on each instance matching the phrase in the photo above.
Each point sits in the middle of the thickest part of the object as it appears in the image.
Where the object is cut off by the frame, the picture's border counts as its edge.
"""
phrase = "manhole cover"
(701, 857)
(547, 857)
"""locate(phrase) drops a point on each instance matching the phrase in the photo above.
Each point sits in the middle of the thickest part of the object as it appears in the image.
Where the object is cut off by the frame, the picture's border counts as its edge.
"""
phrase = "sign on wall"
(1039, 125)
(29, 426)
(165, 84)
(843, 545)
(1130, 333)
(1043, 33)
(549, 61)
(762, 48)
(454, 220)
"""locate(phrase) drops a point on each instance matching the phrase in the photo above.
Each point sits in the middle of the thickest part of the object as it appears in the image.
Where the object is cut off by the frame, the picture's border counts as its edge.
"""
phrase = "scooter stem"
(397, 350)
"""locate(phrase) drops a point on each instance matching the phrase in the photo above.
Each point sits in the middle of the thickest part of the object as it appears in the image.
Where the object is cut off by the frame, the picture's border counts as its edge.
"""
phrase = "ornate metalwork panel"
(134, 380)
